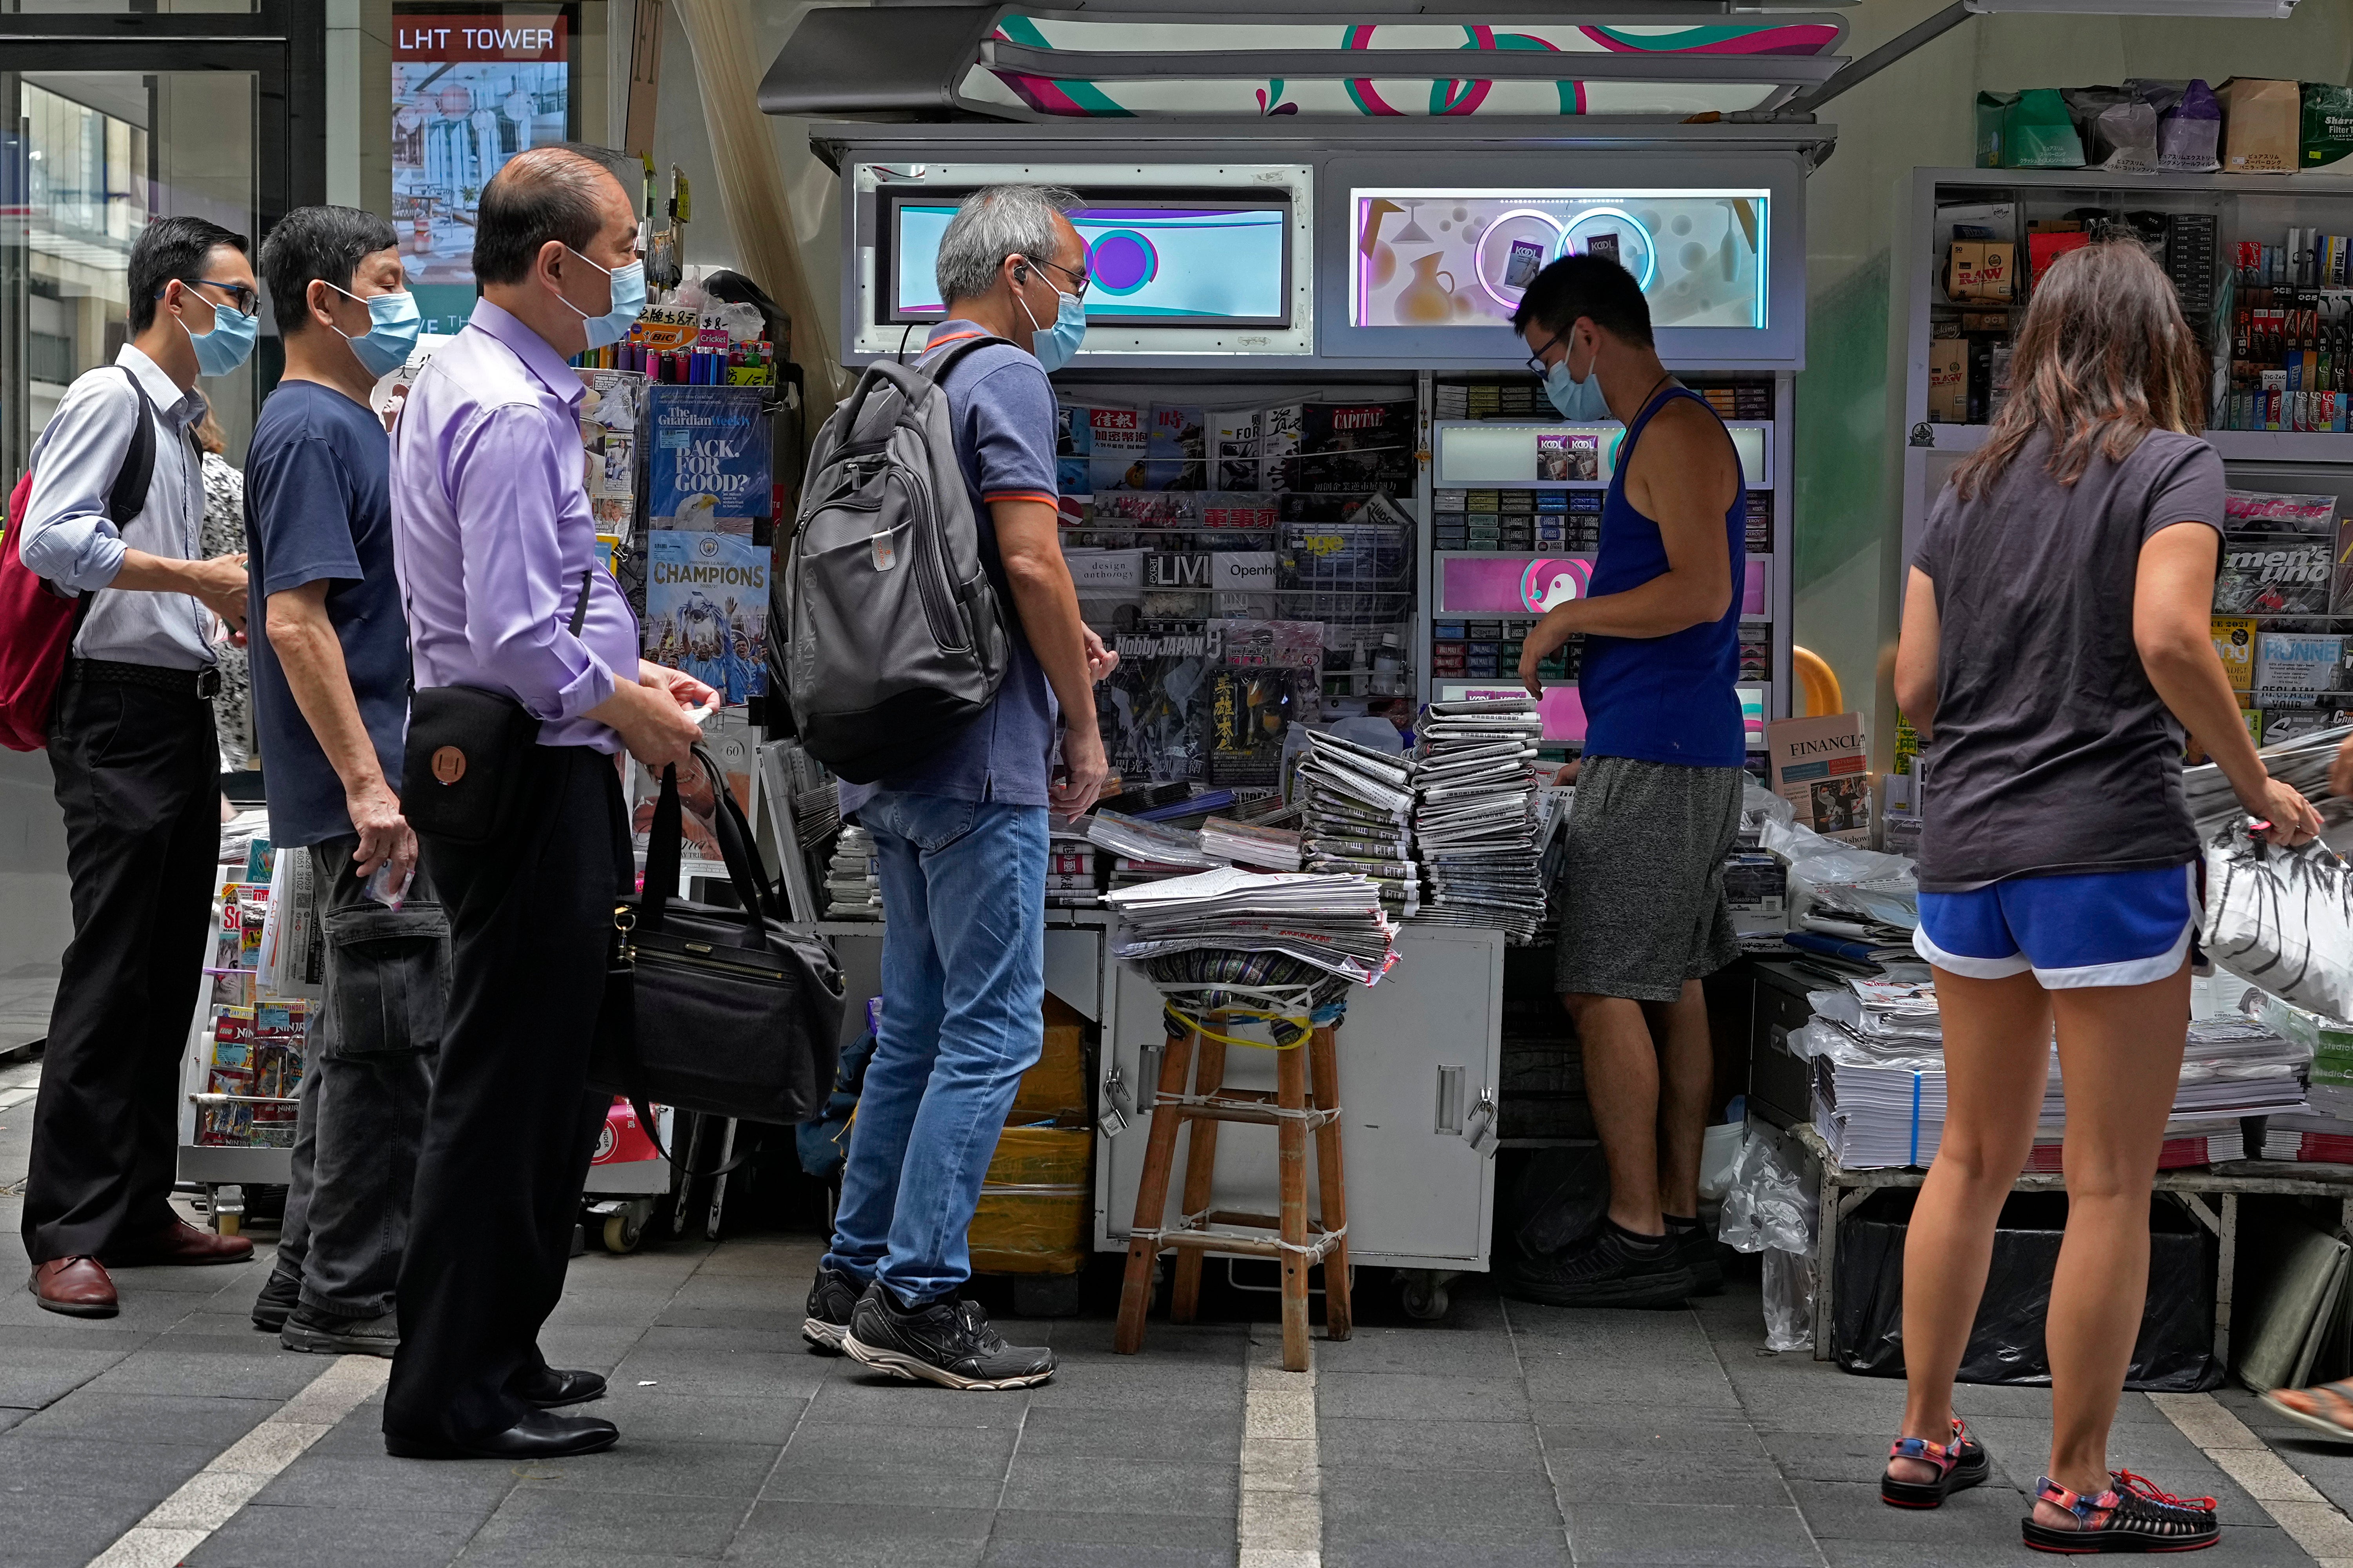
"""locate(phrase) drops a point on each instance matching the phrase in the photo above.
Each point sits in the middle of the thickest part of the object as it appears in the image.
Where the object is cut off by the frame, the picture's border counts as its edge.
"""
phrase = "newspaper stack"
(1334, 923)
(1357, 807)
(1145, 851)
(1879, 1092)
(853, 889)
(1474, 827)
(1069, 869)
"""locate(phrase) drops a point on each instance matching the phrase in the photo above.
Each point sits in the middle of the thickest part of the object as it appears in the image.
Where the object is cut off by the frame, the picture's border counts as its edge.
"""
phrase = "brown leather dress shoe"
(78, 1287)
(180, 1243)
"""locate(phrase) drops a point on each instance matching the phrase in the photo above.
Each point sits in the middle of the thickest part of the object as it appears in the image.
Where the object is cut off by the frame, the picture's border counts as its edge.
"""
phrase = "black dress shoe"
(538, 1435)
(551, 1389)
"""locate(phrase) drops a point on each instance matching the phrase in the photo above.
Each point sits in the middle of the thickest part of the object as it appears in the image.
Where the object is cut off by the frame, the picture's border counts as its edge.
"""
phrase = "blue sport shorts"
(2094, 927)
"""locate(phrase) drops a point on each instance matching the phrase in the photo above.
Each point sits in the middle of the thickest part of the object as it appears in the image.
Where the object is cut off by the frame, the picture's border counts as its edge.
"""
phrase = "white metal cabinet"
(1073, 965)
(1418, 1194)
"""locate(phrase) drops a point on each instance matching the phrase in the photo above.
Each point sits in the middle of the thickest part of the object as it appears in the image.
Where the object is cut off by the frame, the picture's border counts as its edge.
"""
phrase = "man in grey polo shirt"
(137, 769)
(960, 837)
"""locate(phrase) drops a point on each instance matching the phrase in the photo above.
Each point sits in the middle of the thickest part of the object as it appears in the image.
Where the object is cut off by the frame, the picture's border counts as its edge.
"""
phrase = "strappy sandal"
(2325, 1407)
(2134, 1515)
(1961, 1464)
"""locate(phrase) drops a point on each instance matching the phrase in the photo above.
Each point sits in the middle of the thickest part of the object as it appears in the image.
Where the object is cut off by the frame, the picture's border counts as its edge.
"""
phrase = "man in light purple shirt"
(493, 544)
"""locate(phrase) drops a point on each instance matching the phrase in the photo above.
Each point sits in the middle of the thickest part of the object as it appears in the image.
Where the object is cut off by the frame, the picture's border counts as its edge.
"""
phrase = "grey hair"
(991, 224)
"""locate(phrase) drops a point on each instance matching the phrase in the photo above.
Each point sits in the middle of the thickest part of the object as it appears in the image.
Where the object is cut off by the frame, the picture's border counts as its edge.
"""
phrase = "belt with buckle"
(204, 683)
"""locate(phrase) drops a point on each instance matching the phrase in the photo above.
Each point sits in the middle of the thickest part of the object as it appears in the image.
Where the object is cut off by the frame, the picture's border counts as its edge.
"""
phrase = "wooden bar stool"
(1297, 1106)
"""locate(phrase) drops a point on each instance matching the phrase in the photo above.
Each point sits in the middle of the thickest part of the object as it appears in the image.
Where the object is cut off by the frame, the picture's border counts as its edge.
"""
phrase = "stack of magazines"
(1474, 826)
(1069, 868)
(1145, 851)
(852, 890)
(1357, 808)
(1248, 844)
(1334, 923)
(1879, 1092)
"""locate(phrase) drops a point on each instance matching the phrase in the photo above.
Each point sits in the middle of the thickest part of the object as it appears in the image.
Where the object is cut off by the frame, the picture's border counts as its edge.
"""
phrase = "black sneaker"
(948, 1342)
(329, 1333)
(1699, 1252)
(832, 1297)
(1612, 1267)
(280, 1294)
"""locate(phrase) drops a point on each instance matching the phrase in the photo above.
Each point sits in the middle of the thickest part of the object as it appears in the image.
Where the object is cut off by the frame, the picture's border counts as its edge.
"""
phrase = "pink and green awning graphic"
(1016, 73)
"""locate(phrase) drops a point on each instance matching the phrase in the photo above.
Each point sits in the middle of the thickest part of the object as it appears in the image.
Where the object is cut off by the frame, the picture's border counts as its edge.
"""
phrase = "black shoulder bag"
(717, 1010)
(461, 771)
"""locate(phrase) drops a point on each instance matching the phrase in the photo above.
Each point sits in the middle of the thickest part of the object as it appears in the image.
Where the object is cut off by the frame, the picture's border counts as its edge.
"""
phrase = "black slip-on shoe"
(538, 1435)
(551, 1388)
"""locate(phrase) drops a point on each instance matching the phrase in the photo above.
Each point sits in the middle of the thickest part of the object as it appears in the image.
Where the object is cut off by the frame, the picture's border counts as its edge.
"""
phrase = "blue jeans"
(964, 987)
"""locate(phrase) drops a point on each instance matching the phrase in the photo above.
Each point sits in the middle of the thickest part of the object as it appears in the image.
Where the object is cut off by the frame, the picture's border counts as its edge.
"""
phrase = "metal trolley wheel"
(625, 1224)
(1424, 1292)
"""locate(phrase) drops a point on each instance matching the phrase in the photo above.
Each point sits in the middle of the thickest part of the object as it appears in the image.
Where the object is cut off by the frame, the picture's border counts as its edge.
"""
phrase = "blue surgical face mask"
(628, 304)
(394, 322)
(1574, 399)
(1054, 345)
(228, 344)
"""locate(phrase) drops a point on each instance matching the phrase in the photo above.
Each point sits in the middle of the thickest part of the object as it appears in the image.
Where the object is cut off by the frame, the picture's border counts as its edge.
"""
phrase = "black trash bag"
(2175, 1352)
(1547, 1199)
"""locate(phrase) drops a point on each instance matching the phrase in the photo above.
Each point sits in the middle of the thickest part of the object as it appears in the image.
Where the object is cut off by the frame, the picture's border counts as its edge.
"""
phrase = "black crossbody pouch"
(461, 771)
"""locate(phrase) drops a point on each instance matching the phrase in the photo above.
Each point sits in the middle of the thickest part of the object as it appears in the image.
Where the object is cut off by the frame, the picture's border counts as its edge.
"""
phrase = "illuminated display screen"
(1161, 262)
(1531, 585)
(1464, 259)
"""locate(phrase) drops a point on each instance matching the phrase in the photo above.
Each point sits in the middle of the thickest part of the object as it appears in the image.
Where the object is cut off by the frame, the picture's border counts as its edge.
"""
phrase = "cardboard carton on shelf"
(2263, 126)
(1948, 381)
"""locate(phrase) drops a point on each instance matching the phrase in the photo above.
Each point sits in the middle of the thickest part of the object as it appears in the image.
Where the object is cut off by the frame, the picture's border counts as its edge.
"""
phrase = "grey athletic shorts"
(1641, 888)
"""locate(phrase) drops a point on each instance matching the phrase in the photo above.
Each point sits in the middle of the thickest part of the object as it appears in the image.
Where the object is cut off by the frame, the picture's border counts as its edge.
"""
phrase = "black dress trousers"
(138, 779)
(511, 1123)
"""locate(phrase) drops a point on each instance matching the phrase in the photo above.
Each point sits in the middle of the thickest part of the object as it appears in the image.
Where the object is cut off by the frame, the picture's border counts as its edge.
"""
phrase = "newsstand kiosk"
(1305, 470)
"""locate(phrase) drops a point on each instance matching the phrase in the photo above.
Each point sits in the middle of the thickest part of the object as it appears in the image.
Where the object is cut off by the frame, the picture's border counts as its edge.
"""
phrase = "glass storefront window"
(89, 157)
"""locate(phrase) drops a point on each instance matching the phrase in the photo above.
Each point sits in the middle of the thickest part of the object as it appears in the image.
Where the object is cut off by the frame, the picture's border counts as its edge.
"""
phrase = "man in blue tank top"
(1642, 915)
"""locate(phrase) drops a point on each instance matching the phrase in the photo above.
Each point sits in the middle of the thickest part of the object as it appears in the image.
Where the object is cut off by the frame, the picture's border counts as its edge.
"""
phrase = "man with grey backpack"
(937, 654)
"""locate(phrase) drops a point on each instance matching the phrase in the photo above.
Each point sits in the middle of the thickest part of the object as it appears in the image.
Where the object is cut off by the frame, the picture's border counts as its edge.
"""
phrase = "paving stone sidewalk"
(1510, 1434)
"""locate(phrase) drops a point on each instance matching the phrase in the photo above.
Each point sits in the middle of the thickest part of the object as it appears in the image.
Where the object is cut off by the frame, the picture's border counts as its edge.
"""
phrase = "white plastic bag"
(1719, 1157)
(1763, 805)
(2282, 918)
(1770, 1207)
(1843, 878)
(1789, 1300)
(1768, 1204)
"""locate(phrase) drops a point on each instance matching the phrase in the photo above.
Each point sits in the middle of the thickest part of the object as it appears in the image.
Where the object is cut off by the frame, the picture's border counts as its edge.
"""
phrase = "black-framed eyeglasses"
(242, 297)
(1536, 360)
(1080, 280)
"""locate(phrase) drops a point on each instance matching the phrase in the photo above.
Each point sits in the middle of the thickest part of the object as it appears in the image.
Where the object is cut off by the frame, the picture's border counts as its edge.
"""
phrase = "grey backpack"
(893, 637)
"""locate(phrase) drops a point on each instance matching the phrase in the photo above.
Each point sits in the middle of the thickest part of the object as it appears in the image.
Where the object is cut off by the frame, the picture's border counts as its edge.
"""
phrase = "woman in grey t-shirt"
(2055, 650)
